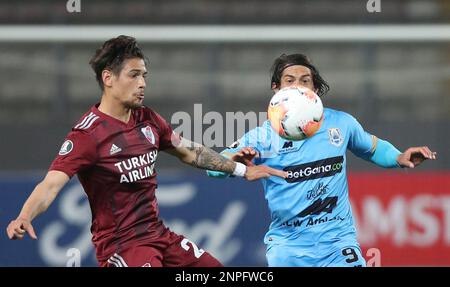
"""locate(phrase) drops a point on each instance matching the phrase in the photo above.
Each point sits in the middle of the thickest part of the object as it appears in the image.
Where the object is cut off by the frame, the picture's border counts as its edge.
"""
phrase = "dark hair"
(112, 54)
(285, 61)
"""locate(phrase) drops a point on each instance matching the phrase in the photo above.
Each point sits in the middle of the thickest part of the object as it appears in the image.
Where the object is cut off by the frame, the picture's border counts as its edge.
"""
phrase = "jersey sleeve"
(167, 137)
(360, 143)
(78, 152)
(251, 139)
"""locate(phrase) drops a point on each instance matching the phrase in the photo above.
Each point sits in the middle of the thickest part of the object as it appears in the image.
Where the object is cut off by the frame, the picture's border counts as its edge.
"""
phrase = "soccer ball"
(295, 113)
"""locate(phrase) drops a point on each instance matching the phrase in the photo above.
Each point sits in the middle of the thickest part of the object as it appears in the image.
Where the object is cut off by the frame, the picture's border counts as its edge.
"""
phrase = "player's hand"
(245, 155)
(17, 229)
(262, 171)
(414, 156)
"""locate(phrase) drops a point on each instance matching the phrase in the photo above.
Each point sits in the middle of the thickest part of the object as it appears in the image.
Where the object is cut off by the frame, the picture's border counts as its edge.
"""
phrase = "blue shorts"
(293, 256)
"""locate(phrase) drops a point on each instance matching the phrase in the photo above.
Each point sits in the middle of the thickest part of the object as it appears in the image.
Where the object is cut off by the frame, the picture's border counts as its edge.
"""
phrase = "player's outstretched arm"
(202, 157)
(40, 199)
(388, 156)
(245, 155)
(414, 156)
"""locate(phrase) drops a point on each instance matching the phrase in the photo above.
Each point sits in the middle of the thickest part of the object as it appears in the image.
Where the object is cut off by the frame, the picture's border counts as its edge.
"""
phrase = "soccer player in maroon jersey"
(113, 149)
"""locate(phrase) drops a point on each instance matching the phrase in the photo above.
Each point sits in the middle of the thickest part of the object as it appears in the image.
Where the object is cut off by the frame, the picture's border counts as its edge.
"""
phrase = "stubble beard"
(133, 105)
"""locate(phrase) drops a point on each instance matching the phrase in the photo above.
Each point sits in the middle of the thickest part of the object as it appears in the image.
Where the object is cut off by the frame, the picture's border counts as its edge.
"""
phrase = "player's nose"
(142, 83)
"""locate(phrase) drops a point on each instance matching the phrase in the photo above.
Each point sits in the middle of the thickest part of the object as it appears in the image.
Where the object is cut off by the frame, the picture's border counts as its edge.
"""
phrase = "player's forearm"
(206, 158)
(39, 200)
(202, 157)
(385, 155)
(220, 174)
(43, 194)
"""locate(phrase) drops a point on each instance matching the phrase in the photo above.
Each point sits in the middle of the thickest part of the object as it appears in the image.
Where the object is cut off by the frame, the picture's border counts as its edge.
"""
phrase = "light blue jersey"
(312, 222)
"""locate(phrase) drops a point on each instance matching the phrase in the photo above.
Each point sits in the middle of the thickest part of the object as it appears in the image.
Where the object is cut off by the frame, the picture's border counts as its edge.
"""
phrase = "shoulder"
(85, 131)
(336, 115)
(258, 131)
(259, 134)
(87, 123)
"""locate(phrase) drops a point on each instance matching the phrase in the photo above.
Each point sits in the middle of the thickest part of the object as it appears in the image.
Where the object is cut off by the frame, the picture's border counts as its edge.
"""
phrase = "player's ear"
(107, 76)
(275, 88)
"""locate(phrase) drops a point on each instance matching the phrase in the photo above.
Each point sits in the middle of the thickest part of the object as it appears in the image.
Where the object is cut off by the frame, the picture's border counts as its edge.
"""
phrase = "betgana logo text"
(316, 169)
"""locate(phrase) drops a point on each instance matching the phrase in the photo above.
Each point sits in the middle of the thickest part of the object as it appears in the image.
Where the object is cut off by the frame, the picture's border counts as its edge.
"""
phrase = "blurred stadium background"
(397, 88)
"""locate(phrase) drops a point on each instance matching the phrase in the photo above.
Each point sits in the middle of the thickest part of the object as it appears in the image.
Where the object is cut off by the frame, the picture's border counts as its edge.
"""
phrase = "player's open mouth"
(140, 96)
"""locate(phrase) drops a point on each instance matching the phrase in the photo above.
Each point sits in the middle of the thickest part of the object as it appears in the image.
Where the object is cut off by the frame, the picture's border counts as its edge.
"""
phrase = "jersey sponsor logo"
(316, 169)
(335, 136)
(320, 205)
(114, 149)
(311, 221)
(318, 190)
(66, 147)
(137, 168)
(147, 265)
(288, 144)
(87, 121)
(288, 147)
(148, 133)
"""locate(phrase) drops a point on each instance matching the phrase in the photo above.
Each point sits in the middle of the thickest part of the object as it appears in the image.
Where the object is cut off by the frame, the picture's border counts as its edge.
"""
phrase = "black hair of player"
(284, 61)
(112, 54)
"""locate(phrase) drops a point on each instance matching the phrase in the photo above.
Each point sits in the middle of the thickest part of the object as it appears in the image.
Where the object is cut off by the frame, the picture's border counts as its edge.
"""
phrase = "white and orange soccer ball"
(295, 113)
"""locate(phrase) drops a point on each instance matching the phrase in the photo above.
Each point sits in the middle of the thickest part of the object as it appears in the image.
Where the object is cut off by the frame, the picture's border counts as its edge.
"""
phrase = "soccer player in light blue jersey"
(312, 222)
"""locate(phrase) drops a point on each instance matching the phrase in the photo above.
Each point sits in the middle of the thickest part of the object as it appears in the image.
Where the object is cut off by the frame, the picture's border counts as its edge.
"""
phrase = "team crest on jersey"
(335, 136)
(66, 147)
(148, 133)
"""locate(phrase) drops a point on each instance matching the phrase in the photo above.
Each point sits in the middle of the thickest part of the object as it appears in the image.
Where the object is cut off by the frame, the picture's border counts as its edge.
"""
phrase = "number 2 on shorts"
(197, 251)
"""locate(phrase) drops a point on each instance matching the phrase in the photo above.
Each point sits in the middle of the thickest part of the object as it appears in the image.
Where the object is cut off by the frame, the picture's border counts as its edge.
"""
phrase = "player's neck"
(115, 110)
